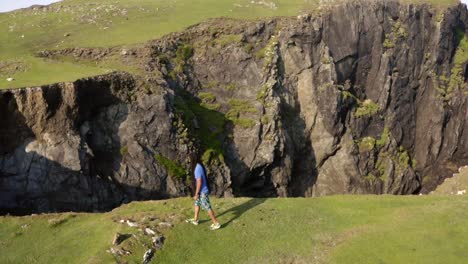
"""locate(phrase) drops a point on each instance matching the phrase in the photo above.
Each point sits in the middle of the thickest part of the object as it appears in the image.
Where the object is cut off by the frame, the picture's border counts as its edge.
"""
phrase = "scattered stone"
(462, 192)
(66, 34)
(165, 224)
(148, 256)
(124, 52)
(10, 79)
(118, 252)
(150, 232)
(131, 224)
(25, 226)
(158, 241)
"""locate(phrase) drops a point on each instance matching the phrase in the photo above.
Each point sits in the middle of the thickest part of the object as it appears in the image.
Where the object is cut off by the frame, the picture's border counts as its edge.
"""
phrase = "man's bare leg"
(197, 211)
(212, 216)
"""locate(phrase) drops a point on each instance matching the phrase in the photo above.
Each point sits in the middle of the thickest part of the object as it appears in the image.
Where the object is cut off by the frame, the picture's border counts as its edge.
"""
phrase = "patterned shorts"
(203, 201)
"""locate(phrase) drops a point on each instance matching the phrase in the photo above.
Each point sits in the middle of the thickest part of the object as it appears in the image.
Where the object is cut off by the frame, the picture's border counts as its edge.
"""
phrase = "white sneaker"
(192, 221)
(215, 226)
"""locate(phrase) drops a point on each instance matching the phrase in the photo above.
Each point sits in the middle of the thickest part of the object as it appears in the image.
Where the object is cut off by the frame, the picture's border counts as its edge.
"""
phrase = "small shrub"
(207, 97)
(263, 93)
(260, 54)
(172, 167)
(384, 138)
(265, 119)
(179, 68)
(207, 155)
(212, 156)
(212, 84)
(184, 53)
(427, 56)
(237, 107)
(248, 48)
(172, 75)
(366, 144)
(124, 151)
(370, 178)
(403, 159)
(242, 106)
(440, 17)
(347, 94)
(366, 108)
(230, 87)
(226, 40)
(244, 122)
(213, 106)
(388, 43)
(380, 166)
(326, 86)
(326, 60)
(268, 51)
(211, 122)
(399, 30)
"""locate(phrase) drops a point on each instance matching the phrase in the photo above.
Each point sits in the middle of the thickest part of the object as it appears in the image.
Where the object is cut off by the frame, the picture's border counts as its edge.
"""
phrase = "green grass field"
(105, 23)
(336, 229)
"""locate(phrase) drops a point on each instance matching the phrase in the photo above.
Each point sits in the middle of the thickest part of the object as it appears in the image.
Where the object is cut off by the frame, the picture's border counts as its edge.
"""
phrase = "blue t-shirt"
(200, 174)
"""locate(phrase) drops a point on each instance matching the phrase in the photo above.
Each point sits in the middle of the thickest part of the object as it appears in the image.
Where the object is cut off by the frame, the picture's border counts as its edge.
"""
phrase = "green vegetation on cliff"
(366, 108)
(337, 229)
(206, 123)
(447, 84)
(173, 168)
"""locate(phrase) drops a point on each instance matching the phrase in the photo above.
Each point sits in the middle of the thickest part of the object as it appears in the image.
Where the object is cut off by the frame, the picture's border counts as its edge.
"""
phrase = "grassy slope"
(339, 229)
(107, 23)
(450, 186)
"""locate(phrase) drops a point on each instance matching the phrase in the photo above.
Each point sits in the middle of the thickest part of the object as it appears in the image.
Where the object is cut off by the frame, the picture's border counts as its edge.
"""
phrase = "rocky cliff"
(357, 98)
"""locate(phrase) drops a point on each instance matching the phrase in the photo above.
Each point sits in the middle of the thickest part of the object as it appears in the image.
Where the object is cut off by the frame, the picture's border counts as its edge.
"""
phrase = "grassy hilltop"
(335, 229)
(338, 229)
(109, 23)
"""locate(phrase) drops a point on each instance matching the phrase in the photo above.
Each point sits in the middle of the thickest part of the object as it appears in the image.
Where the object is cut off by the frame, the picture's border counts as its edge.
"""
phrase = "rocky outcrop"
(84, 145)
(361, 98)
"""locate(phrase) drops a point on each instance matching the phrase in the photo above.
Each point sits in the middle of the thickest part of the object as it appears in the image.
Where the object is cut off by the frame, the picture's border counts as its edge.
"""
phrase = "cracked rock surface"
(348, 101)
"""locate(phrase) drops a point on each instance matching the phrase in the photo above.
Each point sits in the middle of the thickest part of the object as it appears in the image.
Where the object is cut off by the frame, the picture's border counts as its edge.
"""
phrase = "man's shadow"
(241, 209)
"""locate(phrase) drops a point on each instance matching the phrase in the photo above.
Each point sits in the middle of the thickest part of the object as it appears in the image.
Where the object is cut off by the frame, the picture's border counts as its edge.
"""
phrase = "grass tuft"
(173, 168)
(366, 108)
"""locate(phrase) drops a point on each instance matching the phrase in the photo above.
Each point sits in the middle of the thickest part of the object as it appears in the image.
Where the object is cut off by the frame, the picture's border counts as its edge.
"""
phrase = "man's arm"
(197, 191)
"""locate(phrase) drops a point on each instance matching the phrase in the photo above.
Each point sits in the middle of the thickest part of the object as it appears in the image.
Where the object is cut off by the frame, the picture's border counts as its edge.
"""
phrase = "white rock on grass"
(118, 252)
(148, 256)
(148, 231)
(165, 224)
(10, 79)
(462, 192)
(158, 241)
(131, 224)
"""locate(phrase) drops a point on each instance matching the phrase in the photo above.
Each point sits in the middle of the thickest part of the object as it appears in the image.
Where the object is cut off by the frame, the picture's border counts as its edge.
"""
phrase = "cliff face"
(362, 98)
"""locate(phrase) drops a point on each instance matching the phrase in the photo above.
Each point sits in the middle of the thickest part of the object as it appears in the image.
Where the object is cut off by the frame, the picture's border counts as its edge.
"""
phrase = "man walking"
(201, 194)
